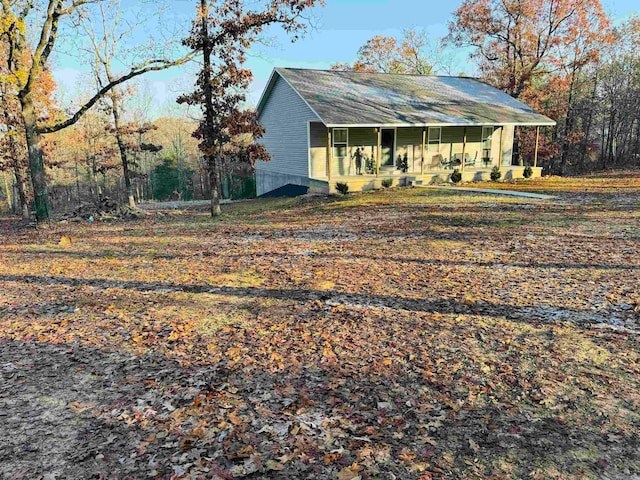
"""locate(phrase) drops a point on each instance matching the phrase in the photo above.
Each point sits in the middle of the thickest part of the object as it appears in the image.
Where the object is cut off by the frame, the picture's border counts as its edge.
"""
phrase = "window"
(435, 137)
(340, 142)
(486, 143)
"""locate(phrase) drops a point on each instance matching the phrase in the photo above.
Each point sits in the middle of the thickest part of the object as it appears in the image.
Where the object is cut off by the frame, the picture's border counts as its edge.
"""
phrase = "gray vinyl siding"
(452, 138)
(364, 138)
(452, 135)
(507, 144)
(285, 117)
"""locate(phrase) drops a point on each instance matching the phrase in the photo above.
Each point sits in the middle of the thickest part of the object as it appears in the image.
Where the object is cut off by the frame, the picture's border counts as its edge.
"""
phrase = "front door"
(387, 144)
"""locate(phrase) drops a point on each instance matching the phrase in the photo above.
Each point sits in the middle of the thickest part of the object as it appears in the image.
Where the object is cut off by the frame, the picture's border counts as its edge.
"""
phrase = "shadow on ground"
(75, 412)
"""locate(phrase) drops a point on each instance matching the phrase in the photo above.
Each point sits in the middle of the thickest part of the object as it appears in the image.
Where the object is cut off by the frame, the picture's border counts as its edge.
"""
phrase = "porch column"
(424, 142)
(500, 149)
(378, 153)
(464, 147)
(535, 153)
(329, 154)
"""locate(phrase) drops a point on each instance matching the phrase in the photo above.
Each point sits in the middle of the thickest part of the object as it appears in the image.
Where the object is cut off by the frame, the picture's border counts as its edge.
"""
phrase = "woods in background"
(120, 46)
(564, 58)
(561, 57)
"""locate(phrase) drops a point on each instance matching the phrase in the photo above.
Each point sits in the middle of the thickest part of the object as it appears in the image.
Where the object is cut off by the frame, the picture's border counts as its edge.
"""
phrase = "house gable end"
(285, 117)
(266, 94)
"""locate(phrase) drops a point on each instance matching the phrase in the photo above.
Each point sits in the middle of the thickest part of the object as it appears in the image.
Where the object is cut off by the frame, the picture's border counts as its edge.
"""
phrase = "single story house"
(324, 127)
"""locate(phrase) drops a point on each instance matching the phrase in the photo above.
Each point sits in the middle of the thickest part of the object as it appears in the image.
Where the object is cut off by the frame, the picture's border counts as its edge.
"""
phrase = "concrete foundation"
(267, 181)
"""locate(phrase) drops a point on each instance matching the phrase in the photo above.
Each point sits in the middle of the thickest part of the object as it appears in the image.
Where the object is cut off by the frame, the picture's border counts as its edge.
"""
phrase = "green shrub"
(456, 176)
(387, 182)
(496, 173)
(342, 187)
(528, 171)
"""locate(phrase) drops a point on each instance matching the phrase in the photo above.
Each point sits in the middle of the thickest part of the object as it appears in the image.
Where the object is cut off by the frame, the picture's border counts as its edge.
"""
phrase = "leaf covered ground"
(408, 334)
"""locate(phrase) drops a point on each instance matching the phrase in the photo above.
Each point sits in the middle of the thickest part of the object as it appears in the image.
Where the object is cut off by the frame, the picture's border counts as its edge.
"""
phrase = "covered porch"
(362, 156)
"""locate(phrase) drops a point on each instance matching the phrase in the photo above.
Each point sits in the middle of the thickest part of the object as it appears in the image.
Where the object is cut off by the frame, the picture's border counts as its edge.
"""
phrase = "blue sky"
(340, 28)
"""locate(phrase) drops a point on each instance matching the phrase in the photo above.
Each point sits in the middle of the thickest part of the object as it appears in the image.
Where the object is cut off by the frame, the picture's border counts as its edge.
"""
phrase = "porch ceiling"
(372, 99)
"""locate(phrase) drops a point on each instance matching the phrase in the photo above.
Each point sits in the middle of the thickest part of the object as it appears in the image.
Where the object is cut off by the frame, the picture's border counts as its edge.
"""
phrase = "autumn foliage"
(389, 55)
(520, 41)
(222, 34)
(554, 55)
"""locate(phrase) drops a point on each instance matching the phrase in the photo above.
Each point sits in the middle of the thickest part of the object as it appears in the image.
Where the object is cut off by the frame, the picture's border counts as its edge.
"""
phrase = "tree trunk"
(214, 182)
(568, 126)
(210, 158)
(21, 185)
(77, 180)
(22, 188)
(91, 175)
(123, 150)
(36, 159)
(610, 140)
(9, 191)
(602, 141)
(584, 147)
(636, 150)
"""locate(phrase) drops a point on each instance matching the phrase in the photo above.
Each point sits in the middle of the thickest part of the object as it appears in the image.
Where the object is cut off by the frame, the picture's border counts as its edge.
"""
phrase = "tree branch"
(52, 38)
(149, 66)
(77, 3)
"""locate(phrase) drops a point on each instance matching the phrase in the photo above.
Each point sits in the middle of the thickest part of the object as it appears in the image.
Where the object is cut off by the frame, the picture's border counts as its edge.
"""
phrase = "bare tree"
(109, 32)
(412, 54)
(26, 62)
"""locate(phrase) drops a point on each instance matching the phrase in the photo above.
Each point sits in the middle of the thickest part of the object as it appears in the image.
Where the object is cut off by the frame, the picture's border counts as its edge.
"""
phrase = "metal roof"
(380, 99)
